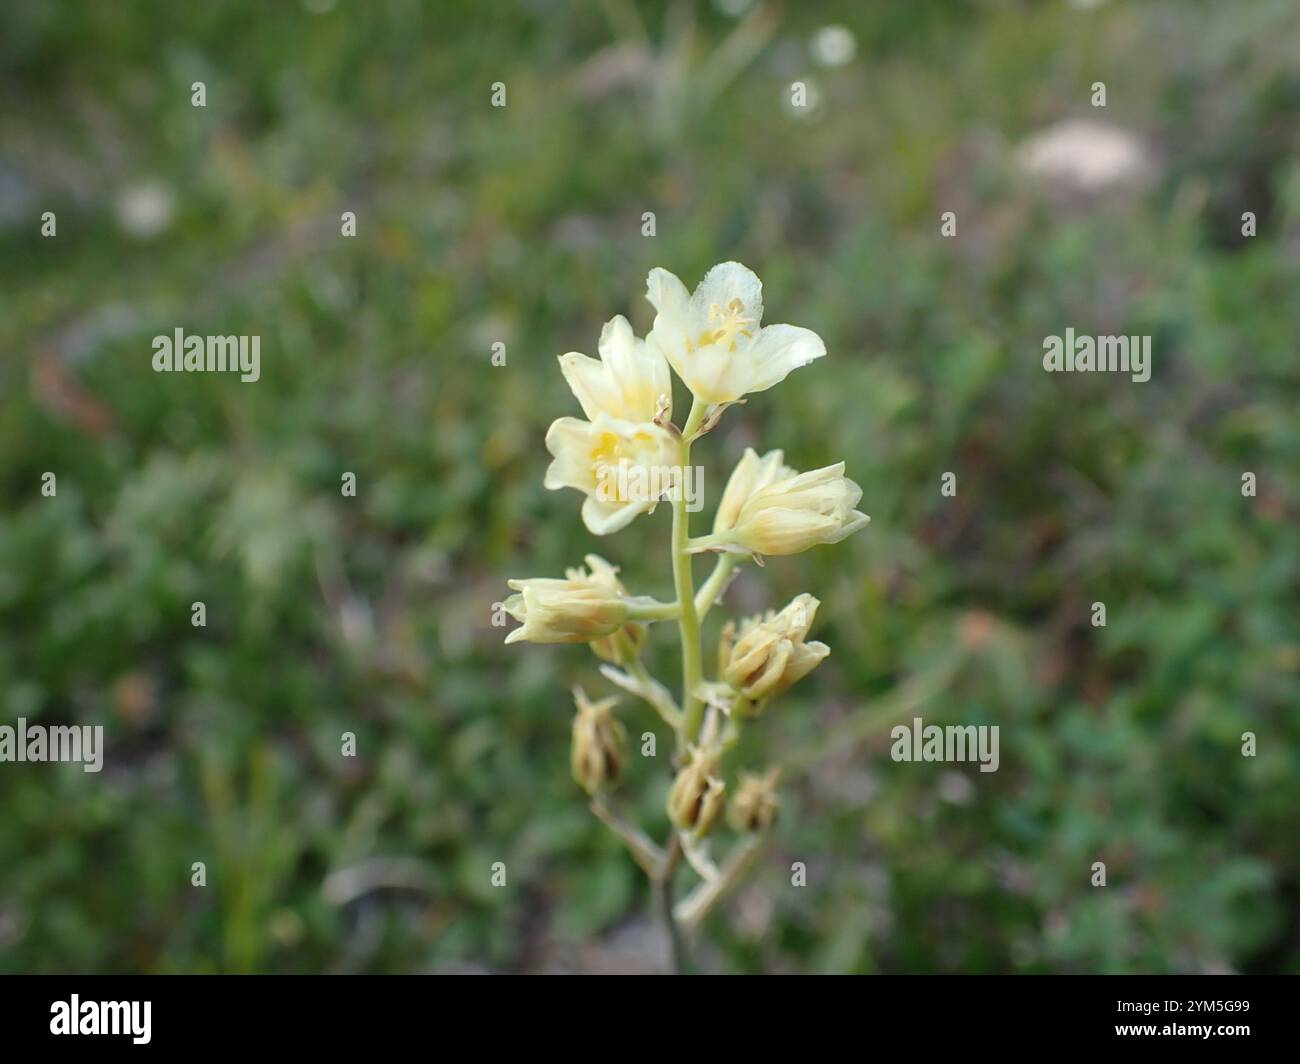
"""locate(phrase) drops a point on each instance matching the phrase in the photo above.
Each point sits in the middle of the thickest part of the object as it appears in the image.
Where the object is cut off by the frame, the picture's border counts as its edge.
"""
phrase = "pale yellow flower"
(579, 609)
(770, 655)
(630, 381)
(714, 338)
(623, 467)
(785, 512)
(750, 474)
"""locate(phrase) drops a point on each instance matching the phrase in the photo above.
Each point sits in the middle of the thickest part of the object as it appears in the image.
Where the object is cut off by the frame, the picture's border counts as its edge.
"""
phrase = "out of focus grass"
(329, 614)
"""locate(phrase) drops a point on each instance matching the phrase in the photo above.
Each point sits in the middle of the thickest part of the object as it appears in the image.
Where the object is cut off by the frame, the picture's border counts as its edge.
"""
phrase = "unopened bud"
(582, 607)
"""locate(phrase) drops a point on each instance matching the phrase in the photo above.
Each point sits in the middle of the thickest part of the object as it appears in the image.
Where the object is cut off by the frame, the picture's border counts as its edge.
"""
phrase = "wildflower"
(629, 382)
(770, 655)
(769, 509)
(714, 340)
(599, 743)
(625, 455)
(602, 457)
(581, 608)
(750, 474)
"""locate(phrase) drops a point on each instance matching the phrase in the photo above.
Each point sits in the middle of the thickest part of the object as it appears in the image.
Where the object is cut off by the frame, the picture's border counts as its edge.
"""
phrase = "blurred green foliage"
(372, 614)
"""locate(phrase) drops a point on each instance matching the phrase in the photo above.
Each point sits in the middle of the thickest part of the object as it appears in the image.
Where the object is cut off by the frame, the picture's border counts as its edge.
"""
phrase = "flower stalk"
(687, 619)
(714, 340)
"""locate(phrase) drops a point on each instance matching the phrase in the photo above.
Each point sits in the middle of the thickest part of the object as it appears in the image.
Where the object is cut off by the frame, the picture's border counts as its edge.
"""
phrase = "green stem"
(652, 611)
(687, 620)
(712, 587)
(655, 693)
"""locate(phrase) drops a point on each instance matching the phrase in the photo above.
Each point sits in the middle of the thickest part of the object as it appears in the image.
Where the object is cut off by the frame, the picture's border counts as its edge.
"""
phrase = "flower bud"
(754, 806)
(750, 474)
(768, 509)
(697, 797)
(770, 654)
(599, 743)
(578, 609)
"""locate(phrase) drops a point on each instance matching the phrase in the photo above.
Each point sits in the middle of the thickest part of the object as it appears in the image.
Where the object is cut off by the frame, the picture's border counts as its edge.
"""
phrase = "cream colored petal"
(714, 373)
(737, 491)
(640, 372)
(617, 347)
(773, 468)
(779, 532)
(666, 292)
(588, 380)
(856, 520)
(670, 343)
(778, 350)
(815, 483)
(723, 283)
(569, 441)
(602, 518)
(514, 604)
(625, 383)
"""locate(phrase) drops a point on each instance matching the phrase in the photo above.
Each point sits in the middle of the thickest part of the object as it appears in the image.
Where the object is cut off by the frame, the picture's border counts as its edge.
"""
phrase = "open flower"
(770, 655)
(784, 512)
(714, 339)
(623, 467)
(579, 609)
(629, 381)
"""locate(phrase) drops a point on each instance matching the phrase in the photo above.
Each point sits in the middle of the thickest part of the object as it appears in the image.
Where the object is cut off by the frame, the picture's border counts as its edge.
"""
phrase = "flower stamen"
(732, 324)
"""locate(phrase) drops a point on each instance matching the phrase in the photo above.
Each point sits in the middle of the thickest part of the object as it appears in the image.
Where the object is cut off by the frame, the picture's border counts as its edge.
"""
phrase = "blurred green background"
(523, 225)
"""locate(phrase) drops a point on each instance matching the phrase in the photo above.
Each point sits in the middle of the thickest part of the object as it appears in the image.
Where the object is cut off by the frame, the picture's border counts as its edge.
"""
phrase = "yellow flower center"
(610, 446)
(731, 324)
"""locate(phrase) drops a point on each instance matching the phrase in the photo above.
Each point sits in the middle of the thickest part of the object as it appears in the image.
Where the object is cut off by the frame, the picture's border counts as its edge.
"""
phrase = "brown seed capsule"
(697, 797)
(755, 804)
(599, 743)
(770, 654)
